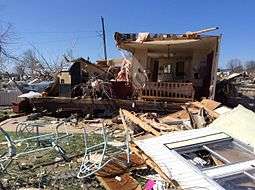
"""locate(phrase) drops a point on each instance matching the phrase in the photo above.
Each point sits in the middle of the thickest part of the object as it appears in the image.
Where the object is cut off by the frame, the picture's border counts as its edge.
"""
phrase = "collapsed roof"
(152, 41)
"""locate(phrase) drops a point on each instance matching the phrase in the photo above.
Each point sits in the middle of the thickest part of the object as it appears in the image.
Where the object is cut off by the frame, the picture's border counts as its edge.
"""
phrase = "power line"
(59, 32)
(64, 39)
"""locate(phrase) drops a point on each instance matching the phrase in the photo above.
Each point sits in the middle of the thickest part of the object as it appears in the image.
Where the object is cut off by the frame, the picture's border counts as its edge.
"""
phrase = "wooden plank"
(210, 104)
(126, 182)
(145, 126)
(148, 161)
(167, 98)
(210, 112)
(107, 175)
(123, 120)
(88, 105)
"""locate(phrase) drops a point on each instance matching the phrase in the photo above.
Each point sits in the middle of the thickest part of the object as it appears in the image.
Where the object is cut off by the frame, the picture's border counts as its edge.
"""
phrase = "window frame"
(245, 172)
(204, 145)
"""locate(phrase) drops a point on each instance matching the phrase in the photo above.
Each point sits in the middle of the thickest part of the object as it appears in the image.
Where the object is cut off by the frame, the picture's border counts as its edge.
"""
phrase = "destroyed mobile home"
(150, 123)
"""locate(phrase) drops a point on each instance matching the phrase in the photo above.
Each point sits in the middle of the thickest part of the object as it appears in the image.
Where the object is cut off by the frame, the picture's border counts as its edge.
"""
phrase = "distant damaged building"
(236, 88)
(171, 66)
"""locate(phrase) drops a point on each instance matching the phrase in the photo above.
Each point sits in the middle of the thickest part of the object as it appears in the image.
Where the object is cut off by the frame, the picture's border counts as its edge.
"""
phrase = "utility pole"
(104, 40)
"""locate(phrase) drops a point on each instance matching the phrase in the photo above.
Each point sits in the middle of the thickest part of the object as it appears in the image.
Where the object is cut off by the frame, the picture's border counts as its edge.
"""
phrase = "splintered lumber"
(116, 168)
(123, 120)
(145, 126)
(115, 175)
(162, 126)
(210, 112)
(148, 161)
(210, 104)
(123, 182)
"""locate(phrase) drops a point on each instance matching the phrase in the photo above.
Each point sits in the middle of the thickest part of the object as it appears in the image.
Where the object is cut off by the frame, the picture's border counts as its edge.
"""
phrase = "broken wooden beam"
(148, 161)
(145, 126)
(210, 112)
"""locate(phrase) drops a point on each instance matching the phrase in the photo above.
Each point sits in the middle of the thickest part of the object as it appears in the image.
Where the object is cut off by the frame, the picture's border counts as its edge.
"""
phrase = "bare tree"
(32, 64)
(62, 61)
(6, 38)
(235, 65)
(250, 66)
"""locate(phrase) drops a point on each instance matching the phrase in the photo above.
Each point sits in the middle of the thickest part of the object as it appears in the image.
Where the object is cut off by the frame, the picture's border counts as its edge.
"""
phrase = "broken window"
(240, 181)
(201, 157)
(167, 69)
(232, 151)
(207, 154)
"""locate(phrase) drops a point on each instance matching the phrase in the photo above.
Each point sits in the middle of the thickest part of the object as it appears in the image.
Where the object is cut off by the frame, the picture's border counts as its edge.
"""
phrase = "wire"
(64, 40)
(58, 32)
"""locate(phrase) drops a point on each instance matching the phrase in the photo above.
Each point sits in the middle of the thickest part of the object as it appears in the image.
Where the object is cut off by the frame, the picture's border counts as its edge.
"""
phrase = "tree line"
(236, 65)
(31, 63)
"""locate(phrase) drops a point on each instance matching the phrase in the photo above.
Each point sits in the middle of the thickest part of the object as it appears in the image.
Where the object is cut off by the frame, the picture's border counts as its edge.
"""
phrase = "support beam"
(145, 126)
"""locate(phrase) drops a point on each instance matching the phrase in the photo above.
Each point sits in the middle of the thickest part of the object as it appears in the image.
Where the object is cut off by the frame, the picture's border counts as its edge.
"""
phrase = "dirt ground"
(10, 125)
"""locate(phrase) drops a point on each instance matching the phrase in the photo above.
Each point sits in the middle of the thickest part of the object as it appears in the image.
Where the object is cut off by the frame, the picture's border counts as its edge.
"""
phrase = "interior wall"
(215, 67)
(141, 56)
(198, 66)
(138, 67)
(173, 61)
(195, 63)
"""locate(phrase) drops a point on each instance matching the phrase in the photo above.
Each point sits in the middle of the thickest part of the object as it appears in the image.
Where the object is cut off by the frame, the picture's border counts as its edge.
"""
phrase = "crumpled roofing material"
(31, 94)
(238, 123)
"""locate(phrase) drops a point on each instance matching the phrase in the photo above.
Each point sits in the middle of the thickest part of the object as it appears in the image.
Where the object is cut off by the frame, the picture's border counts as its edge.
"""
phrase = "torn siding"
(7, 97)
(175, 166)
(226, 139)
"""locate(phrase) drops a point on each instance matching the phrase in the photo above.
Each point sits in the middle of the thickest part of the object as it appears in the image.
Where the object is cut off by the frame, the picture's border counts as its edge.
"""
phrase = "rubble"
(114, 167)
(236, 88)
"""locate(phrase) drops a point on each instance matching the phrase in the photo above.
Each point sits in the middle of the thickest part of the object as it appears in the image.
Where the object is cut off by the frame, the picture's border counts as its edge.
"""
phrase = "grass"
(4, 113)
(21, 172)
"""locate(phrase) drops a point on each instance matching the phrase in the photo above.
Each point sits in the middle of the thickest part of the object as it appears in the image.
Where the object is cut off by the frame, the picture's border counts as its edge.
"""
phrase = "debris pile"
(236, 88)
(107, 153)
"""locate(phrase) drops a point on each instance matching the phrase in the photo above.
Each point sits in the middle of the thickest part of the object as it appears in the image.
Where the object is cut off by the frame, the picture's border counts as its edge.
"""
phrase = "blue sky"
(54, 26)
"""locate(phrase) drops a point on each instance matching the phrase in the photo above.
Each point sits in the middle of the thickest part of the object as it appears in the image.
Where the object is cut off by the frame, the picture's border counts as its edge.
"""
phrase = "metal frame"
(106, 154)
(244, 172)
(226, 161)
(43, 142)
(204, 145)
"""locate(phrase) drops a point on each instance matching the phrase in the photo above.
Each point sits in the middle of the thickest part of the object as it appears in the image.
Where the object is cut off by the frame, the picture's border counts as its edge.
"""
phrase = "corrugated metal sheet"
(174, 165)
(9, 96)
